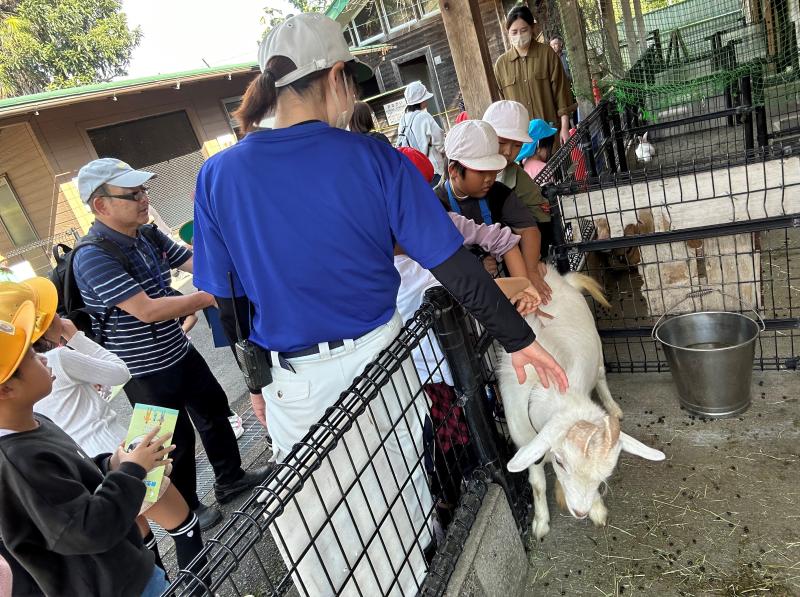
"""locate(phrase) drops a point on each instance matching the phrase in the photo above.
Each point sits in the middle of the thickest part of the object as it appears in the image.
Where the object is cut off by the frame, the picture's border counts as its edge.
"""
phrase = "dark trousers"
(190, 388)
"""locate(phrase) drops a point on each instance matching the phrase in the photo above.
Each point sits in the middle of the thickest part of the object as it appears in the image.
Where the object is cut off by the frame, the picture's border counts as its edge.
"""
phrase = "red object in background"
(462, 117)
(578, 160)
(420, 160)
(596, 92)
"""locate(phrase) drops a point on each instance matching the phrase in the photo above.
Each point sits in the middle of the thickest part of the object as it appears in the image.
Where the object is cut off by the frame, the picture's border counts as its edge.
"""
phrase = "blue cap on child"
(538, 129)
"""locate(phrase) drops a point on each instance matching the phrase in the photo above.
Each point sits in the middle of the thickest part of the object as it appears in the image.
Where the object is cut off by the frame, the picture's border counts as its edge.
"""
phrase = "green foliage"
(52, 44)
(274, 16)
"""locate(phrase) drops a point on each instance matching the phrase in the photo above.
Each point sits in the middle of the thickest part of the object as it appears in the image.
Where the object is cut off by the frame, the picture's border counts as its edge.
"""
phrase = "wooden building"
(418, 51)
(168, 124)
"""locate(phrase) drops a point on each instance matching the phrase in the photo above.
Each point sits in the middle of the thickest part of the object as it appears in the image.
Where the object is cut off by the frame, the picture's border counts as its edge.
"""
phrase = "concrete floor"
(721, 516)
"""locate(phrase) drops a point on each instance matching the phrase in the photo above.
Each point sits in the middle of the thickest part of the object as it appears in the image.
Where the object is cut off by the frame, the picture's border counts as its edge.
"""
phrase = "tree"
(274, 16)
(52, 44)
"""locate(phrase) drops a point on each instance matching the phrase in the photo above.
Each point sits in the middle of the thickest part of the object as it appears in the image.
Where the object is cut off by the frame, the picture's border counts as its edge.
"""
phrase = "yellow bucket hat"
(39, 291)
(15, 338)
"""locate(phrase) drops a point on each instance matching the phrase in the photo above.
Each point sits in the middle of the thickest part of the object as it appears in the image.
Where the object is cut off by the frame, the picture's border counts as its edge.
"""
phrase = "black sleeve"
(466, 279)
(245, 310)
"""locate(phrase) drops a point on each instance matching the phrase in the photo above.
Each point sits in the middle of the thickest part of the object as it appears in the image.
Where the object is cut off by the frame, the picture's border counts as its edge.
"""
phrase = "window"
(348, 36)
(165, 144)
(231, 105)
(427, 7)
(368, 24)
(399, 12)
(13, 217)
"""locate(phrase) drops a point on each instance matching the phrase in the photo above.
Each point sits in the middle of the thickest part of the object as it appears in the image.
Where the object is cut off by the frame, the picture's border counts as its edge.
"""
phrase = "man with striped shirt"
(139, 316)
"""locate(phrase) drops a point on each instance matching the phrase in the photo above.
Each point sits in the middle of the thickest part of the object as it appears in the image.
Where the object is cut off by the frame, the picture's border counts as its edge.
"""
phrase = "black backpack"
(70, 300)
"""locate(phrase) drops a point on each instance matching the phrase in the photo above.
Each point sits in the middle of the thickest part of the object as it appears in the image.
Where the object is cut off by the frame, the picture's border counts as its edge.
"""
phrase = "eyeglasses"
(137, 195)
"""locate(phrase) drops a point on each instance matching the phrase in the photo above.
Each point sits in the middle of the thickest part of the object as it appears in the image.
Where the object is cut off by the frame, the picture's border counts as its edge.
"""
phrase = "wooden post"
(501, 22)
(467, 39)
(578, 59)
(640, 28)
(630, 35)
(612, 38)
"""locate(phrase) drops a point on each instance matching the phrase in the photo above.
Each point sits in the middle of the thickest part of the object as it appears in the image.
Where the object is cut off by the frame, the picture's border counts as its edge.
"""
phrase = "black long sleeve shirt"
(69, 523)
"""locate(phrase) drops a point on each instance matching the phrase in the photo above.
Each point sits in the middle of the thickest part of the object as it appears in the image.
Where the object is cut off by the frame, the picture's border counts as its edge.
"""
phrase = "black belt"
(307, 352)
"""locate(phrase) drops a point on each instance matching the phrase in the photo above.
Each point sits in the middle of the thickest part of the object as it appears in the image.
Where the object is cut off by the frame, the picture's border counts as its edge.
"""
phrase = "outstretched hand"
(548, 370)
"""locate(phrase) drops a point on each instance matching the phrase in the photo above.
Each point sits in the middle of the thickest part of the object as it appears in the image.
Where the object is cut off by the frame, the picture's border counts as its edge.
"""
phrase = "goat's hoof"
(599, 514)
(540, 528)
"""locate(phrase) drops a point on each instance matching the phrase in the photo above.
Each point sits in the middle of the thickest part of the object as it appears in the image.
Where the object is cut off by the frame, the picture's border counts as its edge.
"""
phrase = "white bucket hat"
(473, 143)
(313, 42)
(509, 120)
(416, 93)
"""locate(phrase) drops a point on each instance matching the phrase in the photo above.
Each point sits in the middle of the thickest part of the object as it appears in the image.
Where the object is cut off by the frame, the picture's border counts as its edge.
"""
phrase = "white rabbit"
(645, 150)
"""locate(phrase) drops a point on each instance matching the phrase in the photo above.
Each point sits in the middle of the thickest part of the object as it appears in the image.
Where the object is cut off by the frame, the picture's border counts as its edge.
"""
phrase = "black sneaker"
(208, 516)
(226, 492)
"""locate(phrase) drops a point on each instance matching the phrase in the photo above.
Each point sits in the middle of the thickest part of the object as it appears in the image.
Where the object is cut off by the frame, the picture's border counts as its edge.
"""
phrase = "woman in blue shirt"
(304, 217)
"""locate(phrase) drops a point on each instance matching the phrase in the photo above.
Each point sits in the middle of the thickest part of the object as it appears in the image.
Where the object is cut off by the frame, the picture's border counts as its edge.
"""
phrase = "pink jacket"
(492, 238)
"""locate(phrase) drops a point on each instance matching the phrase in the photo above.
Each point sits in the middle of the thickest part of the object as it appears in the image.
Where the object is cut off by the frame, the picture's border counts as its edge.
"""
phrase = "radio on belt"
(253, 360)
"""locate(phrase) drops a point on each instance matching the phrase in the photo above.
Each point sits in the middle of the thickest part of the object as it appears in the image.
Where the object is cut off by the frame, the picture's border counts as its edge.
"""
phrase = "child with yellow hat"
(66, 517)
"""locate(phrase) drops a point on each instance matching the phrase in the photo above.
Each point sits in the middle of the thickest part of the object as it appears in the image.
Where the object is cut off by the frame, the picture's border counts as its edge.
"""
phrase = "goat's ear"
(532, 452)
(644, 138)
(637, 448)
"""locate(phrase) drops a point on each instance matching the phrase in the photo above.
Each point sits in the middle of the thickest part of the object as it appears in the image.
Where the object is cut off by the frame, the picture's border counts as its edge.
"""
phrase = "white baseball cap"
(416, 93)
(509, 120)
(473, 143)
(313, 42)
(109, 170)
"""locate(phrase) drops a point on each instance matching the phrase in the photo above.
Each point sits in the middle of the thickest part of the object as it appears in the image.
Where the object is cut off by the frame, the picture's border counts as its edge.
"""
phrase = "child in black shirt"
(66, 518)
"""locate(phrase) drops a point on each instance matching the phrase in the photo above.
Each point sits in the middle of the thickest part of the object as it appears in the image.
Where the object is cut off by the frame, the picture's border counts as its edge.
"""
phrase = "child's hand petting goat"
(580, 439)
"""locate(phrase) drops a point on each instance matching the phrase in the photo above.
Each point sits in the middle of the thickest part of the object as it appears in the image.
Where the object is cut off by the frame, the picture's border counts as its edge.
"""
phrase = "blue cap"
(112, 171)
(538, 129)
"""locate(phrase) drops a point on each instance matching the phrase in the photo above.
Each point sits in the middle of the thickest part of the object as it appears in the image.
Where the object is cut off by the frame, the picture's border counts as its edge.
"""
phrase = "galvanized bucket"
(710, 355)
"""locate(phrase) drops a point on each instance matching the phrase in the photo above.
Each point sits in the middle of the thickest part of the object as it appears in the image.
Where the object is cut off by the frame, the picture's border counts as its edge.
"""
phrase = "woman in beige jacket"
(531, 73)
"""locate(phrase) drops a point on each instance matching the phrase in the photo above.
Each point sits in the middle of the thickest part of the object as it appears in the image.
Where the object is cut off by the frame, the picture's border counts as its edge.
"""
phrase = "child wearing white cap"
(472, 189)
(510, 121)
(418, 129)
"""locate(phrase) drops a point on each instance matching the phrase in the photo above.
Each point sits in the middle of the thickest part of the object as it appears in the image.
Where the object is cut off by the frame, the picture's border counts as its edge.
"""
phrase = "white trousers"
(391, 494)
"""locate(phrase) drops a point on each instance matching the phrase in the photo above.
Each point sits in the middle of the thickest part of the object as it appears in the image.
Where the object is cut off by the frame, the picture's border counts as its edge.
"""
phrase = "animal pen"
(714, 86)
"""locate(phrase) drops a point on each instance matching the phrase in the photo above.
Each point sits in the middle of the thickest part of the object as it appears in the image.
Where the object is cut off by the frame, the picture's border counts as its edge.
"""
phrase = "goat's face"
(583, 456)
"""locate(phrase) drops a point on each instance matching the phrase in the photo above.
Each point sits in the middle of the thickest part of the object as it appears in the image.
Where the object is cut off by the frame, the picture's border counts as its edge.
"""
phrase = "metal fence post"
(619, 139)
(747, 103)
(559, 239)
(455, 336)
(450, 327)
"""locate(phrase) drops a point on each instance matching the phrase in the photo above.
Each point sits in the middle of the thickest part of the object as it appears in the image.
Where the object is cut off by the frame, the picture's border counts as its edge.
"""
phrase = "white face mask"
(520, 40)
(343, 119)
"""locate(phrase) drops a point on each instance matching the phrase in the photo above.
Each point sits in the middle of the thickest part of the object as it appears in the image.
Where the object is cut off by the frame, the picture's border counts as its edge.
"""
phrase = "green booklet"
(145, 418)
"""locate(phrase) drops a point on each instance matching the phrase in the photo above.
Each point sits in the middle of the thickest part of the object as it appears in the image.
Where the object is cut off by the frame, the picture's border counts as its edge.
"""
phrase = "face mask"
(520, 40)
(343, 119)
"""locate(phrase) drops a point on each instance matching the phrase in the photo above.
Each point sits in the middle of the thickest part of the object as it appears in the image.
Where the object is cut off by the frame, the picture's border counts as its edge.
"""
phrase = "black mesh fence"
(729, 221)
(379, 496)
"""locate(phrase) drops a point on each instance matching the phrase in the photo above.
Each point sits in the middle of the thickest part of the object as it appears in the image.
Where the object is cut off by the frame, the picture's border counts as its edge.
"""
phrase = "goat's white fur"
(572, 338)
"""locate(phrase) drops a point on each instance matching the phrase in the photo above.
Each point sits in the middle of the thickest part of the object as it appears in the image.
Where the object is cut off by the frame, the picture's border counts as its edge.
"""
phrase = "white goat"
(579, 439)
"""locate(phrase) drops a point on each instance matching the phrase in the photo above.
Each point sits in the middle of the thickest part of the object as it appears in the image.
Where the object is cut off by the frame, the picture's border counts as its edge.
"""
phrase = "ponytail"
(259, 100)
(261, 97)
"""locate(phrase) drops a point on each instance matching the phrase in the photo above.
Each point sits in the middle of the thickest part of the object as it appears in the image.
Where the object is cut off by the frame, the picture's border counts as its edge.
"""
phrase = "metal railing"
(729, 221)
(379, 496)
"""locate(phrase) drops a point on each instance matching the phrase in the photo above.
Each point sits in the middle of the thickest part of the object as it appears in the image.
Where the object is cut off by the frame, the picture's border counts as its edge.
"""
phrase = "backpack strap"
(108, 246)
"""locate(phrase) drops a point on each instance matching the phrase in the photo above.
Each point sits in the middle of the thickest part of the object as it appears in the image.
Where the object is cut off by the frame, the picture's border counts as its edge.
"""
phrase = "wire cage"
(379, 496)
(703, 79)
(653, 236)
